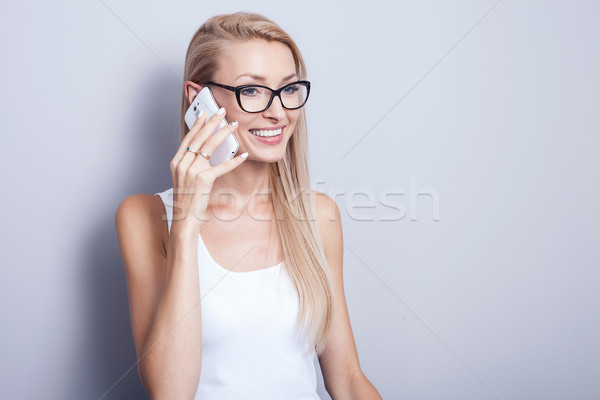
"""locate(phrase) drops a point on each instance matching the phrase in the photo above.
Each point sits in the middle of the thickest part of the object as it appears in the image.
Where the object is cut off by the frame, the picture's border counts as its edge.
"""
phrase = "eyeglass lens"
(256, 98)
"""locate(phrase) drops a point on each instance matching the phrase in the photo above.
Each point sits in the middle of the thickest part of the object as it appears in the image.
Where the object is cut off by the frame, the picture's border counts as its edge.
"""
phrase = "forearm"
(171, 359)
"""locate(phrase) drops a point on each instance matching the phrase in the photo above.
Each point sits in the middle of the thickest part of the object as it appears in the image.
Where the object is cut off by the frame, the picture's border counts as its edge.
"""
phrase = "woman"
(235, 274)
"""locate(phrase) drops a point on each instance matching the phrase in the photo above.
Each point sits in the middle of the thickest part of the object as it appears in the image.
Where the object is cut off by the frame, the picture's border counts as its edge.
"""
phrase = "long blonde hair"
(294, 207)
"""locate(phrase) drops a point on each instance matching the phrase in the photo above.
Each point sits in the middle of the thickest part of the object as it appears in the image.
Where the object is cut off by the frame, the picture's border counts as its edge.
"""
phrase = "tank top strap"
(167, 199)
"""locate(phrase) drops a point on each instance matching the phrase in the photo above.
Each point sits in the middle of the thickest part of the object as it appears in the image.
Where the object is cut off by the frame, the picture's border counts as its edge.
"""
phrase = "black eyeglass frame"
(274, 92)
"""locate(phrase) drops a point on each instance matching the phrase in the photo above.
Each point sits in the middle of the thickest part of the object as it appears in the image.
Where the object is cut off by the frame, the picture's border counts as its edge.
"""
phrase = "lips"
(271, 136)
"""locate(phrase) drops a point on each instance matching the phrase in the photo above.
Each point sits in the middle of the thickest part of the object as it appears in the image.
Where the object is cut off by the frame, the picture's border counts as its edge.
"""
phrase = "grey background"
(491, 108)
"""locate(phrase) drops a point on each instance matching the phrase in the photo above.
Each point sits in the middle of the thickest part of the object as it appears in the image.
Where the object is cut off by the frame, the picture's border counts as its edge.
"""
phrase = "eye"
(250, 91)
(291, 89)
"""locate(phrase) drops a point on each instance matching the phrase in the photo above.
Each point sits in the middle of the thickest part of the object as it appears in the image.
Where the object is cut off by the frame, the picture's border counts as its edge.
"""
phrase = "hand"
(193, 177)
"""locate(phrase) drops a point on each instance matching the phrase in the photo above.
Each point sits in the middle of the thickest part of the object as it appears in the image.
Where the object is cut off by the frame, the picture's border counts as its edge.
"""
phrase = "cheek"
(293, 118)
(234, 113)
(230, 104)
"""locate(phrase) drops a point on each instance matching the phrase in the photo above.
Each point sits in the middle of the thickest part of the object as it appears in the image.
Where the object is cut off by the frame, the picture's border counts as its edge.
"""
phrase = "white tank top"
(249, 344)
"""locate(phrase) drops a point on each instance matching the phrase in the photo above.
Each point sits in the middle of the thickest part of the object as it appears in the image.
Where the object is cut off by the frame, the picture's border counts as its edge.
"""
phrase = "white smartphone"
(206, 101)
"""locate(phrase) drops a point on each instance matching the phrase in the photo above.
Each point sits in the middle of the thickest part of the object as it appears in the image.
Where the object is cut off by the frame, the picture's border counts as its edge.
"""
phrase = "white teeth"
(272, 132)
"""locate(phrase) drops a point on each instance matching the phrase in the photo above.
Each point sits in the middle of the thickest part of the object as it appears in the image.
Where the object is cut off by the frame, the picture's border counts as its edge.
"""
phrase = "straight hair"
(289, 184)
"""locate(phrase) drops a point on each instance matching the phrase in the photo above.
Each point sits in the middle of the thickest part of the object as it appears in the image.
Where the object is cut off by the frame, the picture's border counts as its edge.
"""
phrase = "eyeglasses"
(258, 98)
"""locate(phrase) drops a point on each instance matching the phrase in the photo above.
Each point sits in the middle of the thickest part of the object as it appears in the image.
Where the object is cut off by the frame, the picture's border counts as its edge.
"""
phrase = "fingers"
(215, 120)
(201, 138)
(215, 140)
(185, 142)
(208, 129)
(208, 146)
(195, 138)
(227, 166)
(207, 140)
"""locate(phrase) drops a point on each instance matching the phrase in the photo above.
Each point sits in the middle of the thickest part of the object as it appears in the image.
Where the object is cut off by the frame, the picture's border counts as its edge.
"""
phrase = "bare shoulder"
(141, 217)
(140, 232)
(326, 208)
(329, 221)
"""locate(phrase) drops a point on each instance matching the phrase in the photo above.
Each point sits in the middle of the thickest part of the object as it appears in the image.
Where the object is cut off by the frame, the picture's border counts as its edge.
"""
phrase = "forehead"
(269, 59)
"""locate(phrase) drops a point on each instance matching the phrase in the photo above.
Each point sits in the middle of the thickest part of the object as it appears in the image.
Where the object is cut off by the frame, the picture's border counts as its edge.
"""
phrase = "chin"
(268, 153)
(269, 156)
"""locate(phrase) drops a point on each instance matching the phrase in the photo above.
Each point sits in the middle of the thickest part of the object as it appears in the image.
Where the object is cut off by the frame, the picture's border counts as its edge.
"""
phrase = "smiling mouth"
(266, 133)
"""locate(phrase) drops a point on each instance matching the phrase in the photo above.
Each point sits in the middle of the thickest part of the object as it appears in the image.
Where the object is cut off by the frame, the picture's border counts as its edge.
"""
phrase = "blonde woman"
(234, 274)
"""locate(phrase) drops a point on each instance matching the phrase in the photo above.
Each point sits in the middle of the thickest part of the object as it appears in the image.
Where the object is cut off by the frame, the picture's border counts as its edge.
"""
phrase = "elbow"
(149, 384)
(353, 386)
(158, 387)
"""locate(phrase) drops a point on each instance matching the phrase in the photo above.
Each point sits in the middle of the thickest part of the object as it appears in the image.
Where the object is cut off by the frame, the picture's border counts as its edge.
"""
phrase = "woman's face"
(262, 62)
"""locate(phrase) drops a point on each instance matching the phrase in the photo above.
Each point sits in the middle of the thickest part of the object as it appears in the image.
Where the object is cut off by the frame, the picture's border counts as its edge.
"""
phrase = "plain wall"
(471, 264)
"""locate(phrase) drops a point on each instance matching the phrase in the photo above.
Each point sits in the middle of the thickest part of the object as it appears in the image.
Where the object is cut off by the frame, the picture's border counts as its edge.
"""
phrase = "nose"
(275, 110)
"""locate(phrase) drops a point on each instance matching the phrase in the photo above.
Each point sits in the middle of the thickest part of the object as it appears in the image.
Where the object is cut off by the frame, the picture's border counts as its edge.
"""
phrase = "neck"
(245, 186)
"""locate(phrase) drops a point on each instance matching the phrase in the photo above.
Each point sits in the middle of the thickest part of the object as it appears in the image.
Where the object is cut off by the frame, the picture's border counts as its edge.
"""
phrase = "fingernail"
(221, 111)
(201, 113)
(233, 123)
(244, 155)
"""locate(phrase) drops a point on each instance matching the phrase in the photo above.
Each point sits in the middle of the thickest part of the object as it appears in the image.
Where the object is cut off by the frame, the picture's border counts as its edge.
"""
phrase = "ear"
(191, 90)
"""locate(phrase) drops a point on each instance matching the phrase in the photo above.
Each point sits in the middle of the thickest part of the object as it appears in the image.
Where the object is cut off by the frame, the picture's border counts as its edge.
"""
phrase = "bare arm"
(163, 284)
(173, 350)
(164, 298)
(342, 375)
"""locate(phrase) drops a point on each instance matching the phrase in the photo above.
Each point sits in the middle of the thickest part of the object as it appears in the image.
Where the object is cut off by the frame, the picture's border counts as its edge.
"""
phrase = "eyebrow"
(263, 79)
